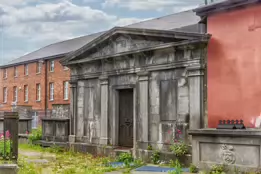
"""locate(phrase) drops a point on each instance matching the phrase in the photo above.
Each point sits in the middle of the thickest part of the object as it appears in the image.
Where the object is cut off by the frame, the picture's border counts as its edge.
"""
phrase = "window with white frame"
(26, 93)
(38, 92)
(15, 94)
(35, 120)
(51, 89)
(5, 73)
(52, 66)
(5, 94)
(38, 67)
(26, 69)
(66, 90)
(15, 72)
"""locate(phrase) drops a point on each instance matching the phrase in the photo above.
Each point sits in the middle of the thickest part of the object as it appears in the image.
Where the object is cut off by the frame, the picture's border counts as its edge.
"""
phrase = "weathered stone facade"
(161, 70)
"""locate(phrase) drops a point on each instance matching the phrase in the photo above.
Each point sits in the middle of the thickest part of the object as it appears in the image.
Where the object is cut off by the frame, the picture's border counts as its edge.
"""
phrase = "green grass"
(67, 162)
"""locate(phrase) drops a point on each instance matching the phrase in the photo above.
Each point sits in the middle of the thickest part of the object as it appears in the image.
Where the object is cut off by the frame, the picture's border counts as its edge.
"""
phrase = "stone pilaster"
(195, 80)
(73, 109)
(144, 107)
(104, 109)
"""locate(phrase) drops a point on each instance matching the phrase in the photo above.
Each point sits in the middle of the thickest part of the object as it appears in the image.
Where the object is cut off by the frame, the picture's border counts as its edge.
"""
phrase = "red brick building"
(234, 61)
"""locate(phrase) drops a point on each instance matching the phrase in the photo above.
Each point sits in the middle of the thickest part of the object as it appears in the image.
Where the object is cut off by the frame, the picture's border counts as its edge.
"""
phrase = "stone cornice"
(161, 46)
(132, 31)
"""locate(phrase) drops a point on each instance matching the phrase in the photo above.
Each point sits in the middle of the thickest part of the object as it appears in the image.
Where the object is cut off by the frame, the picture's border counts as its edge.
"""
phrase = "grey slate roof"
(185, 21)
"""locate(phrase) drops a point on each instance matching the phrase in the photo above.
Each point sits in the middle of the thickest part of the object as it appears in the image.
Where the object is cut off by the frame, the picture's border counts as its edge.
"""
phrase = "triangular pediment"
(120, 40)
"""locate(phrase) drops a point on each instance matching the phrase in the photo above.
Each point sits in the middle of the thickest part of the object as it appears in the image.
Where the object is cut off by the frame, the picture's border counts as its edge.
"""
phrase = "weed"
(149, 147)
(155, 157)
(35, 135)
(126, 158)
(193, 168)
(177, 166)
(179, 148)
(217, 169)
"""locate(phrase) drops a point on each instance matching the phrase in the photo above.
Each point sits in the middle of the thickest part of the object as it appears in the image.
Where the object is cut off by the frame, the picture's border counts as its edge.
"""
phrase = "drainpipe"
(46, 87)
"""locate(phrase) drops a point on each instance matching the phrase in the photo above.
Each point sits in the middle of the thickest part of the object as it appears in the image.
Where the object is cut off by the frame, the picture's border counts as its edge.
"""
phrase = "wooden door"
(126, 117)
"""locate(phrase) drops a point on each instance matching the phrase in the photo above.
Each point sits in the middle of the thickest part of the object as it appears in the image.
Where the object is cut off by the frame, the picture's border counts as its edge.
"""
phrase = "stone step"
(118, 151)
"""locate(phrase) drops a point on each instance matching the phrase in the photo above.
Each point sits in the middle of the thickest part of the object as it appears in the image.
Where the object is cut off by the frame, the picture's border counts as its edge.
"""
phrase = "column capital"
(143, 75)
(104, 80)
(196, 70)
(73, 83)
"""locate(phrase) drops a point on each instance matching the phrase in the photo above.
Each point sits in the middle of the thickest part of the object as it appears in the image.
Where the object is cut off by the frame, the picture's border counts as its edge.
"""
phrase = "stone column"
(73, 109)
(143, 108)
(195, 81)
(104, 109)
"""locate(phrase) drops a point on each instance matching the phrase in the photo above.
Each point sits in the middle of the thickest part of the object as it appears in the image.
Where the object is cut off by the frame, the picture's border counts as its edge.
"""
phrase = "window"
(15, 94)
(35, 120)
(38, 67)
(65, 68)
(51, 89)
(26, 93)
(66, 90)
(52, 66)
(26, 69)
(38, 92)
(15, 72)
(5, 74)
(5, 94)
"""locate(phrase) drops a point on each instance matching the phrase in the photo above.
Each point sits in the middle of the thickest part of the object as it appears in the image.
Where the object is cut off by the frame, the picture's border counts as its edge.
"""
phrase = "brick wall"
(58, 76)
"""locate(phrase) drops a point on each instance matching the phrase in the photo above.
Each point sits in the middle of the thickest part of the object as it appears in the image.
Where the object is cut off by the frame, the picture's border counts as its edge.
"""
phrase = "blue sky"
(27, 25)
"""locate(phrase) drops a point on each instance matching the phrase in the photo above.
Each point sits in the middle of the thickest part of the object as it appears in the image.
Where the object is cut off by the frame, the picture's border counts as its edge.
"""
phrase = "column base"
(104, 141)
(71, 138)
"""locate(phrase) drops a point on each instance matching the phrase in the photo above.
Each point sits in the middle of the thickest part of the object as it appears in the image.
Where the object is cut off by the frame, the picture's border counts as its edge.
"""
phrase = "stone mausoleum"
(131, 86)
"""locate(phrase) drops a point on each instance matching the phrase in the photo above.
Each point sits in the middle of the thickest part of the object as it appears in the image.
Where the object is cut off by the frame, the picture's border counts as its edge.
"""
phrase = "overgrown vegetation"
(193, 168)
(35, 135)
(179, 148)
(5, 145)
(66, 162)
(178, 167)
(217, 169)
(155, 157)
(149, 147)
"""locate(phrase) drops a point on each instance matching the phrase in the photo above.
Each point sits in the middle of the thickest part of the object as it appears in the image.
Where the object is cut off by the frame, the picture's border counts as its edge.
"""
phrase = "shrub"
(179, 148)
(35, 135)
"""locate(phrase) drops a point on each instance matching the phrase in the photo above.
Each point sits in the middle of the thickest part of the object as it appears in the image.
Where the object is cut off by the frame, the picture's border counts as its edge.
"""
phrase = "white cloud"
(49, 22)
(158, 5)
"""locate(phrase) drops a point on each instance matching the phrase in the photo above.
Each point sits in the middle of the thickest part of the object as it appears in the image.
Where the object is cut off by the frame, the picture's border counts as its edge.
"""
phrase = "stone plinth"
(55, 129)
(234, 148)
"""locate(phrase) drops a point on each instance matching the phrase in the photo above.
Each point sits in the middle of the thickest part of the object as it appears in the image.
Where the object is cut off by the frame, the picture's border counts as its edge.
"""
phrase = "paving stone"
(39, 161)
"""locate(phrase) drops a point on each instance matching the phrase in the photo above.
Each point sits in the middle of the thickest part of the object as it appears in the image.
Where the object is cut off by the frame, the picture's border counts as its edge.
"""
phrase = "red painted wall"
(234, 66)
